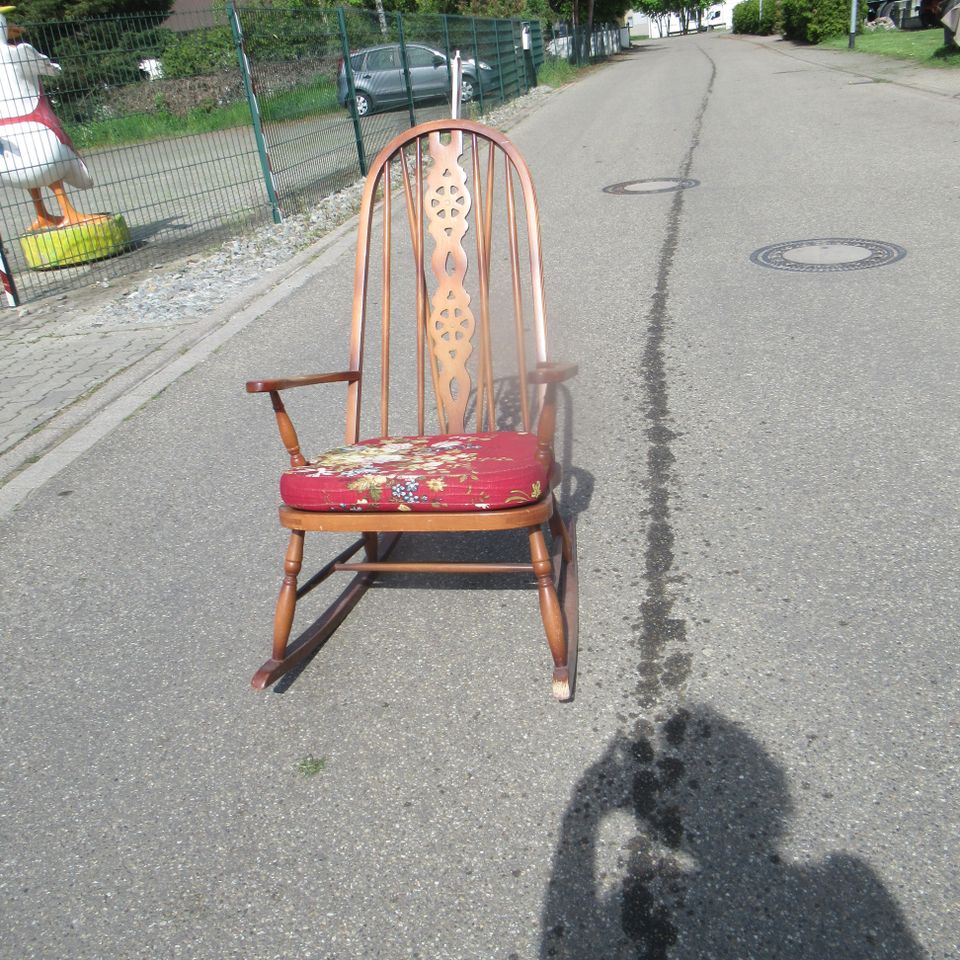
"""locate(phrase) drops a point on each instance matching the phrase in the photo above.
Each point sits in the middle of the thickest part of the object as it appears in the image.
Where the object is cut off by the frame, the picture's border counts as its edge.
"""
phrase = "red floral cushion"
(476, 471)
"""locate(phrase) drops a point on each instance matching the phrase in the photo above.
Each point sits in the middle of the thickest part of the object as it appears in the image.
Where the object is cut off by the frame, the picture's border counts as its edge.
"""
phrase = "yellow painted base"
(76, 243)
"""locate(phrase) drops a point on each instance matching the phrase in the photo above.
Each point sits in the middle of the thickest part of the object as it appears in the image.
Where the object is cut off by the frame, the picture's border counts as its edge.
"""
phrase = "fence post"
(406, 70)
(7, 284)
(449, 53)
(476, 60)
(516, 31)
(496, 40)
(351, 91)
(254, 112)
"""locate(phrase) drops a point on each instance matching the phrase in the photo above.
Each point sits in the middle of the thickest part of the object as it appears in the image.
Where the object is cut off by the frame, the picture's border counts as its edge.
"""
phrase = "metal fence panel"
(578, 45)
(207, 124)
(294, 58)
(164, 132)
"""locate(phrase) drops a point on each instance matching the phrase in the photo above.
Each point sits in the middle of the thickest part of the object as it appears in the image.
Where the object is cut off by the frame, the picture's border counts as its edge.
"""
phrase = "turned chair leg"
(287, 601)
(551, 612)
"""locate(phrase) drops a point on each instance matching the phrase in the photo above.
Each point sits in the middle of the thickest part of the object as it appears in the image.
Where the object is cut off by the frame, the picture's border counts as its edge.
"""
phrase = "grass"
(556, 71)
(309, 100)
(310, 766)
(921, 46)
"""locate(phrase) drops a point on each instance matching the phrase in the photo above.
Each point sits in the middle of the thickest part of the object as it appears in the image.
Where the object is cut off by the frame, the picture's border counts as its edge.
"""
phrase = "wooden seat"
(467, 345)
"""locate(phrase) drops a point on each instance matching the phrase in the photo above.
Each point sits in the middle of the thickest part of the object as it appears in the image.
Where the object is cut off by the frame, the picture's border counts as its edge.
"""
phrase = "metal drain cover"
(828, 255)
(659, 185)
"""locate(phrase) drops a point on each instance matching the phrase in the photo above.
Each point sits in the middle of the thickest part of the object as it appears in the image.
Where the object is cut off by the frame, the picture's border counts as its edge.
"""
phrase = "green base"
(76, 243)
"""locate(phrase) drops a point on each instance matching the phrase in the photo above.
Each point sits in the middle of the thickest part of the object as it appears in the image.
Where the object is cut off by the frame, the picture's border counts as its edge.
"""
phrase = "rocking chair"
(447, 176)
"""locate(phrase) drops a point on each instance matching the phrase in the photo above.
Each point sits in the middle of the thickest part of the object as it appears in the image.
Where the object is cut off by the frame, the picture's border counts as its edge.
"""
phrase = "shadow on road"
(670, 847)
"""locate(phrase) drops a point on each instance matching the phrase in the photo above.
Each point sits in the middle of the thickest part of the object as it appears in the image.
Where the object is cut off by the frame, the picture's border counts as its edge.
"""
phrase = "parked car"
(379, 81)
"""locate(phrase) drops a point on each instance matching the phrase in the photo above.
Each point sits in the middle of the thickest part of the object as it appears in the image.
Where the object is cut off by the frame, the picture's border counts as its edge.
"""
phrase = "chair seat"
(449, 472)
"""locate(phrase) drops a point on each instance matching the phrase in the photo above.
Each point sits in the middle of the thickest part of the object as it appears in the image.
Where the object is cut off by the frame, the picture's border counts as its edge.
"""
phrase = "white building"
(718, 16)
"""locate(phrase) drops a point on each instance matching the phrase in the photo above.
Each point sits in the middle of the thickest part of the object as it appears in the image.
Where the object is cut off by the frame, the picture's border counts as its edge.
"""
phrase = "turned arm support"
(550, 374)
(287, 432)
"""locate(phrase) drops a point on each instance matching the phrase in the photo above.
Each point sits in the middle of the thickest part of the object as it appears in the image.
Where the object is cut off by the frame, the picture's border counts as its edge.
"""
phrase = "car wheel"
(466, 89)
(364, 104)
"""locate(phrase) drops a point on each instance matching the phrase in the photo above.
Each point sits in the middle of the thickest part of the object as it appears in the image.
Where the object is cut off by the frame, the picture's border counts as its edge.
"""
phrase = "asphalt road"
(761, 760)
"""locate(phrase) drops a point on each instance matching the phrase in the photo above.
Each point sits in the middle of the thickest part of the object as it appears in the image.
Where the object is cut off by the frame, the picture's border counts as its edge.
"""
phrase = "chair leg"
(551, 612)
(287, 601)
(286, 606)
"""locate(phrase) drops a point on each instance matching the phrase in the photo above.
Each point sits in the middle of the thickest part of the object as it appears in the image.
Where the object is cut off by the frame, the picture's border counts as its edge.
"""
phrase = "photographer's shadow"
(701, 873)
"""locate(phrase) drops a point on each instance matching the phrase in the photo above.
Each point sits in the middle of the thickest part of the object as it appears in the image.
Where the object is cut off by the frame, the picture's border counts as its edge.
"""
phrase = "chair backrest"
(434, 193)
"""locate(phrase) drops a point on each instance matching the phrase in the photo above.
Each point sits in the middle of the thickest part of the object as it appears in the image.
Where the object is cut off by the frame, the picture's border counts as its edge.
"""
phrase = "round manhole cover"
(659, 185)
(828, 255)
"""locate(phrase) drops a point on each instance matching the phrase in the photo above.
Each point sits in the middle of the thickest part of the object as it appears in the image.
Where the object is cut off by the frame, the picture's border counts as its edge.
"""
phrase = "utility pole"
(853, 23)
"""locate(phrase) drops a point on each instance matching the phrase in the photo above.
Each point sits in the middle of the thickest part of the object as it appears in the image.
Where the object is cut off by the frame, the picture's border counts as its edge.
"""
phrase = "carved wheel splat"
(451, 323)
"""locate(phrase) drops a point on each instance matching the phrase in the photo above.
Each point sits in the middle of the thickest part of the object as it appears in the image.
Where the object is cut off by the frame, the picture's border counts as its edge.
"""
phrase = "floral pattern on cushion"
(450, 472)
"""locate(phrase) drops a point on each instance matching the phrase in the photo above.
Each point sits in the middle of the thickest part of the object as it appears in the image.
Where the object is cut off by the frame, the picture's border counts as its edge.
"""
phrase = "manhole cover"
(660, 185)
(828, 255)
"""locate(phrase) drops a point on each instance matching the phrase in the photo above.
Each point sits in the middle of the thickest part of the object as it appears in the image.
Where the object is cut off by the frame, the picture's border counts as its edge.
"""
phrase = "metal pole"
(760, 19)
(406, 69)
(476, 60)
(351, 91)
(254, 112)
(455, 85)
(853, 23)
(447, 51)
(496, 35)
(8, 287)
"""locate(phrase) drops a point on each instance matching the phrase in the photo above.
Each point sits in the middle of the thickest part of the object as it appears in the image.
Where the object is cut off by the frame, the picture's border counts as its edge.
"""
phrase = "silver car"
(379, 82)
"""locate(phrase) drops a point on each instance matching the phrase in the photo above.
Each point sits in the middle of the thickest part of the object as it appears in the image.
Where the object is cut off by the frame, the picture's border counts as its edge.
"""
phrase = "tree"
(42, 10)
(658, 11)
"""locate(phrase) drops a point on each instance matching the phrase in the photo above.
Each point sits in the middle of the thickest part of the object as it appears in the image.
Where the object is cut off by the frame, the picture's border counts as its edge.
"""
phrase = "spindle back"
(449, 192)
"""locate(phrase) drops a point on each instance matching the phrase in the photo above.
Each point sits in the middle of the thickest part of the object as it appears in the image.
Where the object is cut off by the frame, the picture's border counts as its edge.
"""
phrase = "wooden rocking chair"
(455, 478)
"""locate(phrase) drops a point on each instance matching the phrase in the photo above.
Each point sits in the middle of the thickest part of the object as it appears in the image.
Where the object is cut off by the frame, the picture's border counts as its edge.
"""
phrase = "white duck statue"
(35, 151)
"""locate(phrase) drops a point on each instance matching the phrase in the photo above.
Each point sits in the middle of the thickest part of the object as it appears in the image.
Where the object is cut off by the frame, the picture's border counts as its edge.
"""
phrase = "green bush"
(95, 56)
(811, 21)
(746, 17)
(199, 52)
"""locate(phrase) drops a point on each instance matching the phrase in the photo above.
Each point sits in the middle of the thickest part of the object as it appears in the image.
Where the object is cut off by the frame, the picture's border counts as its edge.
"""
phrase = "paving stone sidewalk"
(43, 370)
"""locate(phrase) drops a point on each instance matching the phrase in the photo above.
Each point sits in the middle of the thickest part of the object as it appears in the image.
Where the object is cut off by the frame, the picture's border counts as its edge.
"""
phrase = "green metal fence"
(206, 125)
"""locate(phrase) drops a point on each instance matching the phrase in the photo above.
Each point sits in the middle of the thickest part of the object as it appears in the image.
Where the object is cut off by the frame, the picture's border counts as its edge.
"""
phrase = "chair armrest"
(287, 383)
(287, 433)
(552, 372)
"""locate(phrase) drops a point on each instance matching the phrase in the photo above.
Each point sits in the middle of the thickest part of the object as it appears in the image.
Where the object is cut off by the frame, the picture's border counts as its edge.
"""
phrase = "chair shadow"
(688, 822)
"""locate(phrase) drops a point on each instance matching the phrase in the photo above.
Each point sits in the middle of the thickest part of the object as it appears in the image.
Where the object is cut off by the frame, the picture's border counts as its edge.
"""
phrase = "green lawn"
(922, 46)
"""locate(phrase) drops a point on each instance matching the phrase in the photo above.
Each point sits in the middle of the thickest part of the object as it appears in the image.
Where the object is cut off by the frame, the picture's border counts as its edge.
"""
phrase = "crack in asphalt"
(652, 890)
(658, 629)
